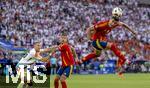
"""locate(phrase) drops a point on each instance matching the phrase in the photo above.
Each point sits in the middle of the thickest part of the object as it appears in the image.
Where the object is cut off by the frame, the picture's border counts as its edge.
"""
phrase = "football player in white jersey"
(31, 58)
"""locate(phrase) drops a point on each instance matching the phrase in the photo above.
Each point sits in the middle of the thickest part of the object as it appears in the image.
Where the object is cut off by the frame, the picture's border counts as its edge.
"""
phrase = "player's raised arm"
(51, 50)
(90, 31)
(45, 50)
(128, 28)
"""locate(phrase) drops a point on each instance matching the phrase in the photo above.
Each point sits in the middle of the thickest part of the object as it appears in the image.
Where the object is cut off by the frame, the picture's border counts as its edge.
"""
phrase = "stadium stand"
(23, 21)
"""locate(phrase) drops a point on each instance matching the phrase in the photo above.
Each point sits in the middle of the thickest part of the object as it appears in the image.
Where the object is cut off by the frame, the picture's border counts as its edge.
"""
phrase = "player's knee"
(111, 45)
(62, 79)
(56, 79)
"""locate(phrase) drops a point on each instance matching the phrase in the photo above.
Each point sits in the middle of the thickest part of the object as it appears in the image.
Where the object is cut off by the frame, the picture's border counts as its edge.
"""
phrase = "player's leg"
(22, 83)
(120, 61)
(92, 55)
(29, 82)
(118, 53)
(63, 81)
(56, 81)
(25, 83)
(96, 53)
(66, 74)
(57, 78)
(29, 85)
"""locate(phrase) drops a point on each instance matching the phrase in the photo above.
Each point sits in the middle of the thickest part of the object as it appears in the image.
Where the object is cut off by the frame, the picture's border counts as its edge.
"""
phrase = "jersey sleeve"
(23, 60)
(99, 25)
(31, 54)
(34, 54)
(63, 47)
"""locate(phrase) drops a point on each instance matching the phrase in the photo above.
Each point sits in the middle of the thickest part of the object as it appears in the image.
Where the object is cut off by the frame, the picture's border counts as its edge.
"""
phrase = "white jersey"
(31, 58)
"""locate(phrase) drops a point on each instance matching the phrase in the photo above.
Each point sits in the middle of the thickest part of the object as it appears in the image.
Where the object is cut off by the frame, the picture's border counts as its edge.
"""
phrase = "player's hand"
(45, 59)
(78, 62)
(53, 49)
(76, 59)
(137, 36)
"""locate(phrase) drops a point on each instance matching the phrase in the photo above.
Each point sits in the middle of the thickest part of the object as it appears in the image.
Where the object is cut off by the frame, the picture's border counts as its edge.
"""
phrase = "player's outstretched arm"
(90, 32)
(45, 59)
(39, 57)
(45, 50)
(128, 28)
(51, 51)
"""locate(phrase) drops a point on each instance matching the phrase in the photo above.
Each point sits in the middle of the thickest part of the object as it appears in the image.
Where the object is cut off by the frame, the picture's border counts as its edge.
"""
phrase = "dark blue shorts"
(99, 45)
(65, 71)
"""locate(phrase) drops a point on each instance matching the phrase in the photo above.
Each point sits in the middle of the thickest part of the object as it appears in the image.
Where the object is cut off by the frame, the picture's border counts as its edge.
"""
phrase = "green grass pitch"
(94, 81)
(107, 81)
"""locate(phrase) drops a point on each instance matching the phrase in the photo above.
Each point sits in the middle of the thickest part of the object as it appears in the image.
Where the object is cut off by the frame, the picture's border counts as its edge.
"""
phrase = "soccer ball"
(117, 12)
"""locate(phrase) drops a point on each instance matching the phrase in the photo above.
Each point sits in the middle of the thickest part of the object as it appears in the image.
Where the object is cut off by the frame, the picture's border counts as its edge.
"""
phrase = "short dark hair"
(64, 32)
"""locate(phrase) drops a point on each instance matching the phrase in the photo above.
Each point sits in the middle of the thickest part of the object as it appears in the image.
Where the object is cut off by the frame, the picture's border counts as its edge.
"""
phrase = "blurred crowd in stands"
(23, 21)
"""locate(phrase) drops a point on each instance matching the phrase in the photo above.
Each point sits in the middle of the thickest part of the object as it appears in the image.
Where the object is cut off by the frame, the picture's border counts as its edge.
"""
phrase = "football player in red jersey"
(67, 55)
(98, 34)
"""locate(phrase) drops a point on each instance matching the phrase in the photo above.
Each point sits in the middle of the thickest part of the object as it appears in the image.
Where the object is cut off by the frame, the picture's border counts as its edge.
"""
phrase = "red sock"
(56, 83)
(64, 85)
(89, 56)
(117, 52)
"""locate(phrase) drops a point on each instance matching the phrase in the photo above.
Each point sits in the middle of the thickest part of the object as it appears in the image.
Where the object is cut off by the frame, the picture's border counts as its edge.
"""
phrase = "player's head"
(117, 13)
(63, 39)
(37, 46)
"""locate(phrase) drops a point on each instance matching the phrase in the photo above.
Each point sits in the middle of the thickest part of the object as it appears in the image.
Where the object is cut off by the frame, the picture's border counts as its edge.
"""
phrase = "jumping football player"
(98, 34)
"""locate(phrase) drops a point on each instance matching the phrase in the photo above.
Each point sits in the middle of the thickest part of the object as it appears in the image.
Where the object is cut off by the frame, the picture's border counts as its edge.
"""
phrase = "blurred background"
(23, 21)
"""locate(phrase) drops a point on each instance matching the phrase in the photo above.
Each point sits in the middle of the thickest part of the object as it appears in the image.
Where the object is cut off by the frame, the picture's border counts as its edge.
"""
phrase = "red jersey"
(102, 29)
(66, 55)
